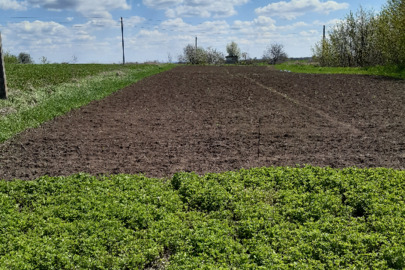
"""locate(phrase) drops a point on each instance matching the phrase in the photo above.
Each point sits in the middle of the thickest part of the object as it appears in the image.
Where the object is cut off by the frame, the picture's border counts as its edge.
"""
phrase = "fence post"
(3, 82)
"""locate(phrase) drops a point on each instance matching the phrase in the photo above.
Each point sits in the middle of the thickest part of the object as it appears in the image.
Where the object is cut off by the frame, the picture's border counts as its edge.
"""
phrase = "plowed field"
(214, 119)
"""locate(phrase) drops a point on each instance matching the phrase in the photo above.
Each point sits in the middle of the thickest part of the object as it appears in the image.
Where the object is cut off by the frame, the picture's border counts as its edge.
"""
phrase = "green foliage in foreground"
(39, 93)
(302, 67)
(267, 218)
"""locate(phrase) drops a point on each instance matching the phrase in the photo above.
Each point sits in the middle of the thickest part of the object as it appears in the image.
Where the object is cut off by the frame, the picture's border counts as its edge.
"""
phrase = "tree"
(275, 53)
(201, 56)
(214, 57)
(43, 60)
(10, 59)
(366, 39)
(193, 56)
(24, 58)
(245, 56)
(391, 32)
(233, 49)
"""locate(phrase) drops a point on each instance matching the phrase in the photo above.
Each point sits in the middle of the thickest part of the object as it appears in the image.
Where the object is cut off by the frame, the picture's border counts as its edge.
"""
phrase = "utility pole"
(123, 47)
(323, 46)
(3, 81)
(324, 33)
(195, 51)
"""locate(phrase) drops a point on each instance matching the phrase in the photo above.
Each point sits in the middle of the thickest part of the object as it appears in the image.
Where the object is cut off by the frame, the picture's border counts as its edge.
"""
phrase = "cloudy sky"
(89, 31)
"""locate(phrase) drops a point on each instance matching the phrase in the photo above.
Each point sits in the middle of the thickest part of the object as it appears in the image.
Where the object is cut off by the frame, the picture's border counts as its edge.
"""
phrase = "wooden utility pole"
(323, 46)
(3, 81)
(324, 33)
(195, 56)
(123, 47)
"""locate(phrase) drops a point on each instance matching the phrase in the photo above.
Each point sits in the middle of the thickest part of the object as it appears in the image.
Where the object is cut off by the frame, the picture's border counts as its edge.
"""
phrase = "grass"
(39, 93)
(303, 67)
(265, 218)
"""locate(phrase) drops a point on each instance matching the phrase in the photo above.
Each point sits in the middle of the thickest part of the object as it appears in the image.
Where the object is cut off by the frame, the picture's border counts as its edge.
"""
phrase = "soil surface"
(215, 119)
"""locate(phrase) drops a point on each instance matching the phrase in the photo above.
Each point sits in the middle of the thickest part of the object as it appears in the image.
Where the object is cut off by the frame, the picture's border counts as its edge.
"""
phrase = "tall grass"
(38, 93)
(303, 67)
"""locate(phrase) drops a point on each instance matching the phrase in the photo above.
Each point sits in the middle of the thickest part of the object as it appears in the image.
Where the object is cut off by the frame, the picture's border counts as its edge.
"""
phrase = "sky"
(89, 31)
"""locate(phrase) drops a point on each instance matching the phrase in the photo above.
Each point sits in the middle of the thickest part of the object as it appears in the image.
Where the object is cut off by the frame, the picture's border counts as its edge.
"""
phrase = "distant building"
(231, 59)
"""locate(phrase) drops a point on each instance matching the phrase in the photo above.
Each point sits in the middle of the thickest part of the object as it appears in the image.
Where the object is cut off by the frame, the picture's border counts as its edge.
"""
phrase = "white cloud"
(207, 28)
(56, 41)
(196, 8)
(253, 36)
(43, 36)
(37, 28)
(259, 25)
(161, 4)
(133, 21)
(309, 33)
(90, 8)
(12, 5)
(328, 23)
(295, 8)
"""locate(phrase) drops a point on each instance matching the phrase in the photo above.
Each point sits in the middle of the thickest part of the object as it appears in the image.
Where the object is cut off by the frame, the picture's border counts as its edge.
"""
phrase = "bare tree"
(245, 56)
(43, 60)
(275, 53)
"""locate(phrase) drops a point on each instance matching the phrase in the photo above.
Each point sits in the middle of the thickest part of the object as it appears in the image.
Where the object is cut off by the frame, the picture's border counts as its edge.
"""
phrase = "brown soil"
(214, 119)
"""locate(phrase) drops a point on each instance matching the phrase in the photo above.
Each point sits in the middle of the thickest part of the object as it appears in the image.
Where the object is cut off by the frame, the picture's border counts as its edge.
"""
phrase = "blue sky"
(89, 31)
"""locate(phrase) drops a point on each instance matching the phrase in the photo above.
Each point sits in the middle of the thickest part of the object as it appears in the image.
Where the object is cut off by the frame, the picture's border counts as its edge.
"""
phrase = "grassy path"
(39, 93)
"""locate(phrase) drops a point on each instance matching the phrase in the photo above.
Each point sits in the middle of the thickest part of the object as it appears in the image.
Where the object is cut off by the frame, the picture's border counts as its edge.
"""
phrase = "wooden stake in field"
(3, 81)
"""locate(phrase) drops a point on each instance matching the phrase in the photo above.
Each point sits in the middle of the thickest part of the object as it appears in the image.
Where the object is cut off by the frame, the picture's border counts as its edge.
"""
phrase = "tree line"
(22, 58)
(273, 54)
(366, 39)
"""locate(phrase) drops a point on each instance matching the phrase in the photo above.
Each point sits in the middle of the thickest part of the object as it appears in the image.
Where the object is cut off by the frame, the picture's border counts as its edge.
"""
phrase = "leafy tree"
(275, 53)
(391, 32)
(214, 57)
(366, 39)
(24, 58)
(9, 58)
(201, 56)
(233, 49)
(193, 56)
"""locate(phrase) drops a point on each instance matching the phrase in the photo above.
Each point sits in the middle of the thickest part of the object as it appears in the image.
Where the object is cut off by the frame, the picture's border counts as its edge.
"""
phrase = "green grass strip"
(30, 108)
(302, 67)
(265, 218)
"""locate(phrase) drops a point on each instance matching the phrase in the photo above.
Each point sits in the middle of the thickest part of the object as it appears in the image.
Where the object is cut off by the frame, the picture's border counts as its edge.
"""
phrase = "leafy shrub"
(264, 218)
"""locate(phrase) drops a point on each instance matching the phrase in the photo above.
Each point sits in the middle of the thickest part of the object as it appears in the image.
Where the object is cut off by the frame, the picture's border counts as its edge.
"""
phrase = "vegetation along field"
(38, 93)
(119, 192)
(269, 218)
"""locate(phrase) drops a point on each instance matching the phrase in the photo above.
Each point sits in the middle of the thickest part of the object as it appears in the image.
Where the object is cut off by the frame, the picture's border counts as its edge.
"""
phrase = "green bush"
(9, 58)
